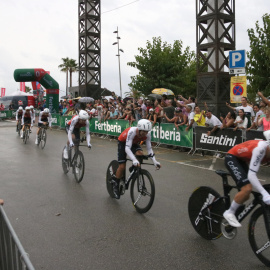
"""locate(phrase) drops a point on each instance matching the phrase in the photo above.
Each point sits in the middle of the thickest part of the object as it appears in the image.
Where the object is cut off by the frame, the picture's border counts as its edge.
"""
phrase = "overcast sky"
(38, 33)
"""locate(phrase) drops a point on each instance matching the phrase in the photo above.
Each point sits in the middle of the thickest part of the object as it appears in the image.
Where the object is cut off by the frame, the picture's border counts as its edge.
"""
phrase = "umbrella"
(155, 96)
(86, 100)
(163, 91)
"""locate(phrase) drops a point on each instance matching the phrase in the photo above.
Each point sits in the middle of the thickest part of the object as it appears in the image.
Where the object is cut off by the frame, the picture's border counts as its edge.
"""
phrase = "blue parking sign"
(237, 59)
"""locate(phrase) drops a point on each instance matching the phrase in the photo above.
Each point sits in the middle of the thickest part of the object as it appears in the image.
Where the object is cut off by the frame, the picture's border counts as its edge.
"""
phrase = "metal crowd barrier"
(12, 253)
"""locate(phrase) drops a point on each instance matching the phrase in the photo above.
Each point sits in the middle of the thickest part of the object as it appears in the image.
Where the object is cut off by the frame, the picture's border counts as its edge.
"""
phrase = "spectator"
(258, 113)
(148, 106)
(264, 99)
(265, 120)
(152, 116)
(228, 121)
(65, 108)
(247, 109)
(190, 117)
(10, 107)
(99, 112)
(241, 120)
(190, 101)
(179, 119)
(144, 108)
(212, 121)
(112, 114)
(158, 110)
(71, 111)
(164, 101)
(2, 107)
(169, 110)
(199, 117)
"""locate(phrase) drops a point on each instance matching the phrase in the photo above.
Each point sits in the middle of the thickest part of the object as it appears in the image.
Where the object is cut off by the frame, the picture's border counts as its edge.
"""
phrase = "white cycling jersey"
(43, 117)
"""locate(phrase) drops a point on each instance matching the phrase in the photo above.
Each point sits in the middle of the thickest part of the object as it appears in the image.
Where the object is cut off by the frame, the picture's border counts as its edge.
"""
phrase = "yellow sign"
(238, 88)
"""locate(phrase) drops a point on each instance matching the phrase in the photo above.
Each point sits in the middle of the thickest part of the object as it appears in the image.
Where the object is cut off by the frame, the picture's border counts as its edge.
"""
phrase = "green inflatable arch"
(40, 75)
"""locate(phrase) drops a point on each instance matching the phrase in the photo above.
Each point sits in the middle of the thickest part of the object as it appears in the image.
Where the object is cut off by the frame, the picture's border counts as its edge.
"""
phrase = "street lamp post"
(118, 50)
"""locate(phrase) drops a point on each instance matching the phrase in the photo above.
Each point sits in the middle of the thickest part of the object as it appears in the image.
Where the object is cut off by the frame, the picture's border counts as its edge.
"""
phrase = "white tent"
(20, 93)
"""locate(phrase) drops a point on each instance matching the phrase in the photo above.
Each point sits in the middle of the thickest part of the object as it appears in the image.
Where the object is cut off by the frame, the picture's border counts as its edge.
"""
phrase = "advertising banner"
(64, 120)
(3, 92)
(254, 135)
(169, 134)
(221, 140)
(22, 86)
(110, 127)
(55, 119)
(238, 88)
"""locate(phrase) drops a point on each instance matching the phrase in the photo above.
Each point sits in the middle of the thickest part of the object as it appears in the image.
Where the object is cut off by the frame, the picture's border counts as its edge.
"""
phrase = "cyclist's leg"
(238, 170)
(38, 130)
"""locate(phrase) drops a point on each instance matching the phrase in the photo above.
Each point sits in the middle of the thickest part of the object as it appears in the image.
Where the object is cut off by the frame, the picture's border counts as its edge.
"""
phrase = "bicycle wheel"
(19, 127)
(206, 220)
(258, 236)
(43, 138)
(112, 168)
(142, 191)
(65, 163)
(78, 166)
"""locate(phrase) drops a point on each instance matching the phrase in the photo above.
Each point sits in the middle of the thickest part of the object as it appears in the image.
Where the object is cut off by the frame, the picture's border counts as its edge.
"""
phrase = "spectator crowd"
(179, 111)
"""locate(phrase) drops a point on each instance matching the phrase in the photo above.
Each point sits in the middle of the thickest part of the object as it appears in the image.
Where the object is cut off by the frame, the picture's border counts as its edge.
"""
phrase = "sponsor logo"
(246, 210)
(222, 140)
(259, 158)
(267, 245)
(27, 74)
(107, 127)
(235, 170)
(169, 135)
(208, 201)
(50, 83)
(242, 150)
(54, 120)
(3, 115)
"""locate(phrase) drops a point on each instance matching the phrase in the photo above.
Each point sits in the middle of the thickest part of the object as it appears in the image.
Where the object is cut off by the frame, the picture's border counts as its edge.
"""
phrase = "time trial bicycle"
(142, 189)
(206, 208)
(26, 133)
(42, 136)
(75, 161)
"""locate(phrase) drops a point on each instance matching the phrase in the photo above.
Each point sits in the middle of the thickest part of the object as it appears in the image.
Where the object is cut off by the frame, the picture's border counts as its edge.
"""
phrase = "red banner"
(52, 91)
(3, 92)
(22, 86)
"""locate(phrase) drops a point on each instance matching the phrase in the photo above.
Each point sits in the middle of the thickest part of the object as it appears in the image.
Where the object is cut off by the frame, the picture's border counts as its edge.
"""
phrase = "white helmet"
(144, 124)
(31, 107)
(267, 136)
(27, 108)
(46, 110)
(83, 115)
(20, 108)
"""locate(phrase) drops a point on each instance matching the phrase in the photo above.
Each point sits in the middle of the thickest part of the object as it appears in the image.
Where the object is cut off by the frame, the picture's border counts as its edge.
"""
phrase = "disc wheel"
(205, 211)
(142, 191)
(78, 166)
(43, 138)
(112, 168)
(65, 163)
(258, 236)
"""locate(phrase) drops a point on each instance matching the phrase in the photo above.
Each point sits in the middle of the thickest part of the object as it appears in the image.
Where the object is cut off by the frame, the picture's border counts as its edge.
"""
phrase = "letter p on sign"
(237, 59)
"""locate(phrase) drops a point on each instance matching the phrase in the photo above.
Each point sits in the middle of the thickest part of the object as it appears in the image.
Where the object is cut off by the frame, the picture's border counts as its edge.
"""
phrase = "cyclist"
(45, 118)
(253, 152)
(128, 144)
(26, 119)
(19, 114)
(75, 125)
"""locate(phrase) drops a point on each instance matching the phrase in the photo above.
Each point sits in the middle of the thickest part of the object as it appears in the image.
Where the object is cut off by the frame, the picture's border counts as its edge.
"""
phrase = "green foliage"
(162, 65)
(27, 89)
(258, 64)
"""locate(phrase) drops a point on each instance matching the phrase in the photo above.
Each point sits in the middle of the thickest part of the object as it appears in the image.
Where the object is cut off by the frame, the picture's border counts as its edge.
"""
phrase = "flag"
(22, 86)
(3, 92)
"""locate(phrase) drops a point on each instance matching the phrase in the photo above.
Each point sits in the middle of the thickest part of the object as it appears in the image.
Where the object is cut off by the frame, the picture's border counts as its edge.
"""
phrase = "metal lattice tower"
(215, 36)
(89, 48)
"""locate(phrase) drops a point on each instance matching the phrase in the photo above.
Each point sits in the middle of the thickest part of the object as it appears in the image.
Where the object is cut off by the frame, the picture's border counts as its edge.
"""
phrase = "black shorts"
(76, 132)
(27, 121)
(238, 170)
(122, 156)
(41, 124)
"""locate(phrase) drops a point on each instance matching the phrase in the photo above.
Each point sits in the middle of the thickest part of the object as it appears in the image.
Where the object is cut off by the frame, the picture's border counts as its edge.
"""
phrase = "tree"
(133, 93)
(162, 65)
(27, 89)
(258, 64)
(68, 66)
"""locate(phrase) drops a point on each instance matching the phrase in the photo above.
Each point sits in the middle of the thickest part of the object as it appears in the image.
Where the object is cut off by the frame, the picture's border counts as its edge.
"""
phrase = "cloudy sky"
(38, 33)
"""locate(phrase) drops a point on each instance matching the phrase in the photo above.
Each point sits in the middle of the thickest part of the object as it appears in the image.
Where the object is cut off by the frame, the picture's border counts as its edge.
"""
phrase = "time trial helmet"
(144, 125)
(20, 108)
(83, 115)
(46, 110)
(27, 108)
(31, 107)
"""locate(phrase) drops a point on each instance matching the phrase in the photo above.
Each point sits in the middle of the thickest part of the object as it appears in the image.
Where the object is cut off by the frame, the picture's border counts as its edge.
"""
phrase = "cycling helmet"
(83, 115)
(27, 108)
(31, 107)
(267, 136)
(46, 110)
(20, 108)
(144, 125)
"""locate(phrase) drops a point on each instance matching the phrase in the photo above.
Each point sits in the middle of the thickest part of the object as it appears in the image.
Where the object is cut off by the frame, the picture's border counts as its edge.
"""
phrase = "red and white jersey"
(19, 114)
(27, 115)
(45, 117)
(252, 152)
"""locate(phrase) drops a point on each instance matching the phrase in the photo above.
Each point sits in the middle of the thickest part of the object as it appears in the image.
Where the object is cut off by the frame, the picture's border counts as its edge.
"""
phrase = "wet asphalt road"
(65, 225)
